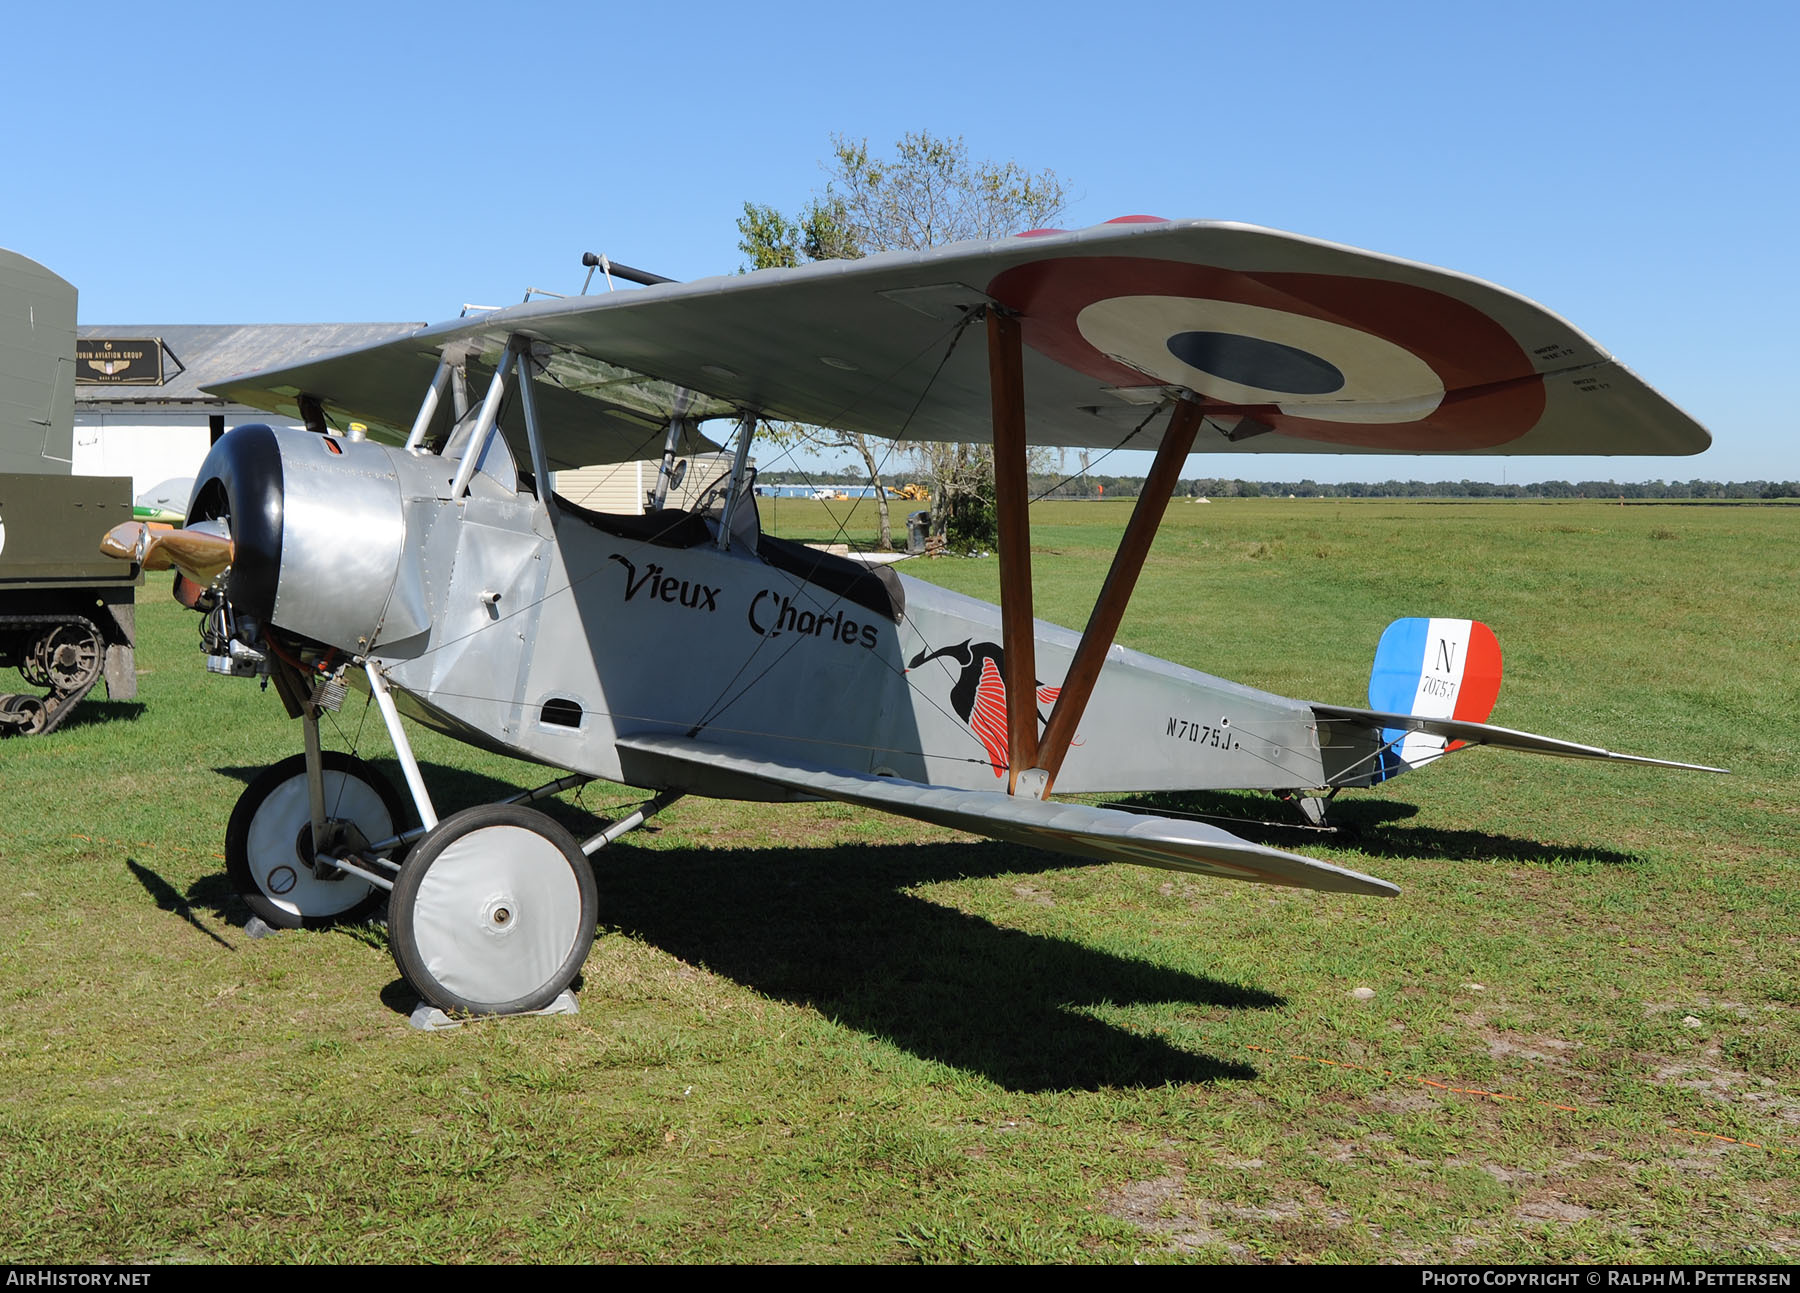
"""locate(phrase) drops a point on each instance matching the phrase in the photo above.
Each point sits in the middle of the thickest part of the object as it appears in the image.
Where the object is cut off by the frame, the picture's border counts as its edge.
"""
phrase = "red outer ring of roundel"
(1492, 392)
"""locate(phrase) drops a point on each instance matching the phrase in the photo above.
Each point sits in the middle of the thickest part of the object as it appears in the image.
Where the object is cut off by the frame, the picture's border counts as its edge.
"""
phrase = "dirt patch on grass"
(1699, 1160)
(1652, 1008)
(1504, 1175)
(1541, 1049)
(1770, 806)
(1726, 1085)
(1552, 1208)
(1160, 1206)
(1157, 1207)
(1402, 1097)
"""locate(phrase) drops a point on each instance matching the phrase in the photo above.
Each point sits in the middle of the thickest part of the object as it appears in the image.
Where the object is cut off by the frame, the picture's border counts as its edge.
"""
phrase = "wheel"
(493, 912)
(268, 842)
(67, 657)
(29, 711)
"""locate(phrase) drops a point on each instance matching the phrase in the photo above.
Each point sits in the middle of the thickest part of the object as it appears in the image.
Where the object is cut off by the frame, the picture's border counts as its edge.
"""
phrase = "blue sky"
(1631, 166)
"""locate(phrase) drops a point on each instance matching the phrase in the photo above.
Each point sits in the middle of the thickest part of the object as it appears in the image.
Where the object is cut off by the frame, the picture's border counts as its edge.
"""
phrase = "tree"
(926, 194)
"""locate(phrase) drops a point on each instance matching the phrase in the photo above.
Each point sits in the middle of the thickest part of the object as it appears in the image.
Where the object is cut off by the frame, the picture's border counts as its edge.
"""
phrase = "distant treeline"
(1094, 486)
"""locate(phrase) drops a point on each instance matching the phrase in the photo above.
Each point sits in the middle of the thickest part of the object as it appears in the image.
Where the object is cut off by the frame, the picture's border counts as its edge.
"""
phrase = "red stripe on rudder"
(1481, 676)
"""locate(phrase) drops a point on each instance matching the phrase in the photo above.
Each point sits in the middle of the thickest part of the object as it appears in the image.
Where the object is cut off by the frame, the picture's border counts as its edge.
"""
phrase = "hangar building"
(140, 412)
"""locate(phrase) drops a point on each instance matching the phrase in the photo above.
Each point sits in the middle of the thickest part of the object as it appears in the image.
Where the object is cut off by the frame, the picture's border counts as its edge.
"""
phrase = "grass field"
(817, 1034)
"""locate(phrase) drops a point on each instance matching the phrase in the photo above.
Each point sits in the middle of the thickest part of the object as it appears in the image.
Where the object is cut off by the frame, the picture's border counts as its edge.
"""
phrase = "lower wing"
(680, 763)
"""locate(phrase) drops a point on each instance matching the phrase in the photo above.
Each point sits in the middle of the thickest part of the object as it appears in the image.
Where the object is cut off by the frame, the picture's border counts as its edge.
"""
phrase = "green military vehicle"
(66, 611)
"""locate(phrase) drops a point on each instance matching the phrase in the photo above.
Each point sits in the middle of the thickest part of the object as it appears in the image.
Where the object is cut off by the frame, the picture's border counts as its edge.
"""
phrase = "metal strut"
(665, 471)
(440, 381)
(625, 825)
(315, 774)
(415, 781)
(746, 429)
(534, 437)
(485, 426)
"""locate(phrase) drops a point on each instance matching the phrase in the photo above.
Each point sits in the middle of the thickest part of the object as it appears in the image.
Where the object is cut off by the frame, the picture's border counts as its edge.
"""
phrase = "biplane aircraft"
(684, 651)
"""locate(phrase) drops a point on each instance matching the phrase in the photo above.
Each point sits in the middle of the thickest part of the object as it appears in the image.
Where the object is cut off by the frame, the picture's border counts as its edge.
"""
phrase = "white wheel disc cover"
(274, 858)
(497, 914)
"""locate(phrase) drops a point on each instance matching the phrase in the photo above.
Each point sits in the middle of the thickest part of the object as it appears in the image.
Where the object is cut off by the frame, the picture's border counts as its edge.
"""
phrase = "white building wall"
(150, 445)
(617, 488)
(621, 487)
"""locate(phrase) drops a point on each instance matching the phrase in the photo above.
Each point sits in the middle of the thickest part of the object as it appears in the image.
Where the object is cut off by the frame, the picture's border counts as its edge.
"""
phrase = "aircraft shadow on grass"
(170, 899)
(834, 929)
(1370, 826)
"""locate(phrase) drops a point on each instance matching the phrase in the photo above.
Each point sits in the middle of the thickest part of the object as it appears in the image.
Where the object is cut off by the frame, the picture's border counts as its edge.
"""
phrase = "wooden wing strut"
(1006, 379)
(1031, 759)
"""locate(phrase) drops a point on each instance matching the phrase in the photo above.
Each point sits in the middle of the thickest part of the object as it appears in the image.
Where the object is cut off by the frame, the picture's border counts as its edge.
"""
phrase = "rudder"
(1432, 668)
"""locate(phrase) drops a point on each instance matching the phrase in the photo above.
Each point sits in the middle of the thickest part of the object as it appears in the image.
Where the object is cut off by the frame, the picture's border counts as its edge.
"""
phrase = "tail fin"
(1432, 668)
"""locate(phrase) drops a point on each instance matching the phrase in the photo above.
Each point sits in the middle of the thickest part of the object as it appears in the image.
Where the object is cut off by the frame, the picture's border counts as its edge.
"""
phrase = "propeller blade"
(197, 554)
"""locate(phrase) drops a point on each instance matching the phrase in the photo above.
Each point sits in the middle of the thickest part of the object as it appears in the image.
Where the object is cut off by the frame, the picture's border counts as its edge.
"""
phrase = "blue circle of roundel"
(1252, 361)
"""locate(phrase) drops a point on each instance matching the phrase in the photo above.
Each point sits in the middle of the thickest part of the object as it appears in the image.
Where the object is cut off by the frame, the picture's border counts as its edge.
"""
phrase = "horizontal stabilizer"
(1103, 833)
(1466, 733)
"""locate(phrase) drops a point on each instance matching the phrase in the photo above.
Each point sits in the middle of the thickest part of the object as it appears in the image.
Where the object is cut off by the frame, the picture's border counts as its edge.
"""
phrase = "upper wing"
(1103, 833)
(1294, 345)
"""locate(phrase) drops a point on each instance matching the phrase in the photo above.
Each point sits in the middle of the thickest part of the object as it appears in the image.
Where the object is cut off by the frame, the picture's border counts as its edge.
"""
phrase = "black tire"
(31, 707)
(493, 912)
(272, 825)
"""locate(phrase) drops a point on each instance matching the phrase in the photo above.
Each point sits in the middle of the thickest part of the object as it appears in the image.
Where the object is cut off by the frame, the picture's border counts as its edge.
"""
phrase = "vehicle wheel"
(67, 657)
(268, 842)
(30, 712)
(493, 912)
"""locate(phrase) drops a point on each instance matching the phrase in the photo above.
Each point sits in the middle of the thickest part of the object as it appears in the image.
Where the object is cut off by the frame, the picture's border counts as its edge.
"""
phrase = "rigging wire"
(724, 700)
(633, 547)
(719, 705)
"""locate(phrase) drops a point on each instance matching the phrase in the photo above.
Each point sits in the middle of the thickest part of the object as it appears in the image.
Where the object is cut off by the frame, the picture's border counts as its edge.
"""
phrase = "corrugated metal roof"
(212, 352)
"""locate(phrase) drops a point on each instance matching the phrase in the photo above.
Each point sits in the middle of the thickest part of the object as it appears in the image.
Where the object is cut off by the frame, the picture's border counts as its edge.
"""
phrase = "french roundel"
(1364, 363)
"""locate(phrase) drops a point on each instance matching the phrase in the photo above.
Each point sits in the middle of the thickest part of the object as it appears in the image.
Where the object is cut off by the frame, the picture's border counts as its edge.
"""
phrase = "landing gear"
(270, 851)
(1313, 807)
(493, 912)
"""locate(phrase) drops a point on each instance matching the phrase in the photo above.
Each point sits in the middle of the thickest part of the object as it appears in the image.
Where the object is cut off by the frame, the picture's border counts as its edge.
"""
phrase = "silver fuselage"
(549, 638)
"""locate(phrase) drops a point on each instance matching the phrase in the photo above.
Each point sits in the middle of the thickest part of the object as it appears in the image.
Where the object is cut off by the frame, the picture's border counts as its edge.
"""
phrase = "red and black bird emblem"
(978, 696)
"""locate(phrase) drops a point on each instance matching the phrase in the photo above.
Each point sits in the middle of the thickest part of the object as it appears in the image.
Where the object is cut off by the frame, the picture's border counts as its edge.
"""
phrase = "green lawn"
(817, 1034)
